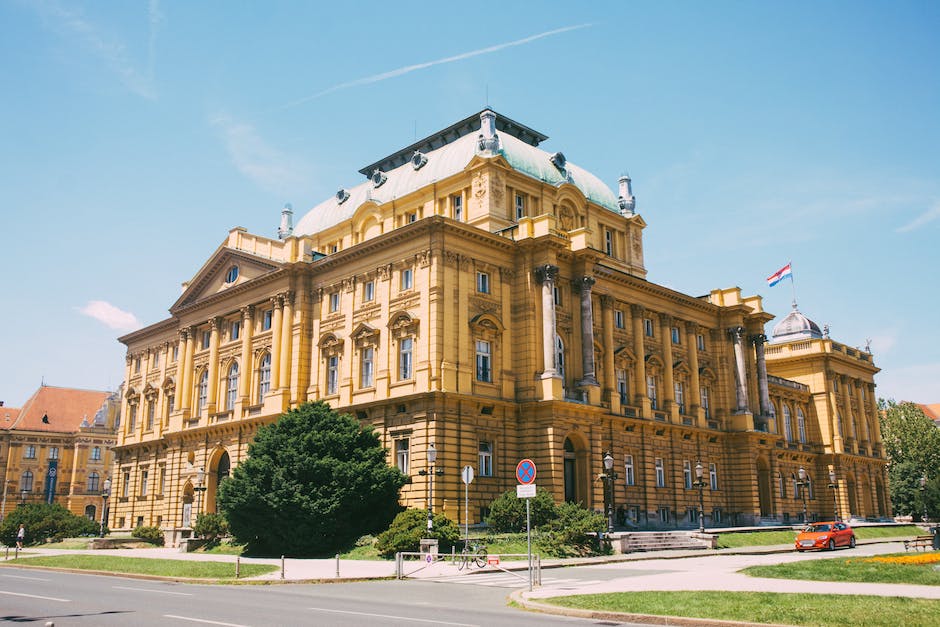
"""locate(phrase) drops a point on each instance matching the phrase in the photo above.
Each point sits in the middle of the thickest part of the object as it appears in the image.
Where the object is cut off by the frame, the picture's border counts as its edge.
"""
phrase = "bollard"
(238, 566)
(337, 565)
(282, 567)
(8, 554)
(16, 553)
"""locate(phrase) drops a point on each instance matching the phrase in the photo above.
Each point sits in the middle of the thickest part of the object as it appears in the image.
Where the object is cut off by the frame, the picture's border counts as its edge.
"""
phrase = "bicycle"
(472, 554)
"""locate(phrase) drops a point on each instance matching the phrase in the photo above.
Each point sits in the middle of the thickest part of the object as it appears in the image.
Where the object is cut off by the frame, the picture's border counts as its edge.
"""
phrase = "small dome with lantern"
(795, 326)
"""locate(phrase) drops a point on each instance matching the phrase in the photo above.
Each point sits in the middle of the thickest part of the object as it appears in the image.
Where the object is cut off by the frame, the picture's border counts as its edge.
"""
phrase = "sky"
(135, 134)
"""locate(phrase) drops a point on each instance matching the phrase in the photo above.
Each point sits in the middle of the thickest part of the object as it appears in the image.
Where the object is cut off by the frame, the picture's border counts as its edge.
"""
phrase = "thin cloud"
(925, 218)
(111, 316)
(112, 51)
(375, 78)
(255, 158)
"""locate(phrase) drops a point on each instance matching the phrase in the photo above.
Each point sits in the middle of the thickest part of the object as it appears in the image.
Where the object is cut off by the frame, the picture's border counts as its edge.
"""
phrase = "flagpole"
(792, 283)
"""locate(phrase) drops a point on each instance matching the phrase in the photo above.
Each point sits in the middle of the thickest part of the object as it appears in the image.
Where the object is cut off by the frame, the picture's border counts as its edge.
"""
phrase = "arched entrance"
(577, 489)
(187, 513)
(91, 512)
(867, 509)
(223, 469)
(764, 496)
(853, 497)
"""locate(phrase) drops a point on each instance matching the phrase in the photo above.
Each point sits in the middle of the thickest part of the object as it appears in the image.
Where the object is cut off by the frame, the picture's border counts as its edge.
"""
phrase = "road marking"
(35, 596)
(29, 578)
(202, 620)
(407, 618)
(182, 594)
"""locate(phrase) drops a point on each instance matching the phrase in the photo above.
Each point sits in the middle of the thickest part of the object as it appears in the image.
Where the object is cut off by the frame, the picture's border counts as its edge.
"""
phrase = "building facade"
(57, 448)
(490, 298)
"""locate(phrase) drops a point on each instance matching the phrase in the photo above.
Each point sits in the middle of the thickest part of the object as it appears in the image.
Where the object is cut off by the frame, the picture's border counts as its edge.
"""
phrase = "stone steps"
(632, 542)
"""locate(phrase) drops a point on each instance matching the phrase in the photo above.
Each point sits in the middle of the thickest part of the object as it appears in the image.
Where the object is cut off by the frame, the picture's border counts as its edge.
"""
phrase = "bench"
(920, 542)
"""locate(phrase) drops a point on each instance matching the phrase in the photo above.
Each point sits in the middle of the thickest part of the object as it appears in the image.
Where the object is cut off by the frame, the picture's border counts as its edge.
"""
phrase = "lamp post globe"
(105, 493)
(803, 483)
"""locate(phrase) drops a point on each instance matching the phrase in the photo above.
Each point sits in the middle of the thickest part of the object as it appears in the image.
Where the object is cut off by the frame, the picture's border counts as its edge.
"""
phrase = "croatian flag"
(779, 275)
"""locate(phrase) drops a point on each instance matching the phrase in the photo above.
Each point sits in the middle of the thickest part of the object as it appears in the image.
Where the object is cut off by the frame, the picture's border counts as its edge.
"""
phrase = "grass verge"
(822, 610)
(145, 566)
(879, 569)
(767, 538)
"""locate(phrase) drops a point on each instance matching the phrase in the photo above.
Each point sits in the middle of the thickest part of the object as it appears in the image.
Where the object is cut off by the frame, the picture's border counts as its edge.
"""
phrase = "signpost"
(525, 474)
(467, 476)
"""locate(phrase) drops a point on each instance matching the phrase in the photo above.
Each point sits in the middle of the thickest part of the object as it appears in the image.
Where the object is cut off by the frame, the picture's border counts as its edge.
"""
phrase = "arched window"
(264, 377)
(203, 392)
(231, 390)
(26, 482)
(787, 427)
(91, 512)
(801, 425)
(559, 356)
(93, 482)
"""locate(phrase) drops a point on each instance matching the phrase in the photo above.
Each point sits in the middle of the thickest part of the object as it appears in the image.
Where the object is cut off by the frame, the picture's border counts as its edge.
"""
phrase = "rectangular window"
(137, 364)
(651, 389)
(618, 319)
(664, 515)
(151, 412)
(332, 374)
(680, 395)
(402, 455)
(628, 475)
(411, 217)
(700, 341)
(405, 369)
(687, 474)
(520, 206)
(801, 425)
(716, 516)
(484, 354)
(206, 339)
(334, 302)
(144, 476)
(96, 453)
(486, 459)
(126, 484)
(170, 403)
(132, 417)
(676, 338)
(156, 360)
(660, 473)
(162, 480)
(705, 402)
(367, 367)
(53, 452)
(483, 282)
(692, 513)
(556, 295)
(407, 279)
(713, 476)
(368, 291)
(266, 319)
(608, 242)
(622, 385)
(456, 203)
(648, 327)
(334, 248)
(235, 331)
(176, 352)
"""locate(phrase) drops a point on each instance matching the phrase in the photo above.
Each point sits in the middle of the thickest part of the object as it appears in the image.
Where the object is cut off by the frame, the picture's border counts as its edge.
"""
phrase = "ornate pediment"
(226, 269)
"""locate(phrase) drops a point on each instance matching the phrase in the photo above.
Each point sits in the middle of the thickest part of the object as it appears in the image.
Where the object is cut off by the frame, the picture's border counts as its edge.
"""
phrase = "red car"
(825, 535)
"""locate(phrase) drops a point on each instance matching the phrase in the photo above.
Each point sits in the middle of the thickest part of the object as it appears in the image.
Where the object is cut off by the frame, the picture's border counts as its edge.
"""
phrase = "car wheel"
(852, 542)
(832, 545)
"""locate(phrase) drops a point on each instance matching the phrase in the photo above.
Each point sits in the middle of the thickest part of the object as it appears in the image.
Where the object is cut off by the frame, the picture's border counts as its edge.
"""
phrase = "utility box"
(429, 546)
(936, 537)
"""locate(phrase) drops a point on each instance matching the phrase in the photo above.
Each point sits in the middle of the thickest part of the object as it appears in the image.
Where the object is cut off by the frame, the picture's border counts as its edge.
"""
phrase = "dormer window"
(457, 204)
(342, 196)
(558, 160)
(378, 178)
(418, 160)
(231, 275)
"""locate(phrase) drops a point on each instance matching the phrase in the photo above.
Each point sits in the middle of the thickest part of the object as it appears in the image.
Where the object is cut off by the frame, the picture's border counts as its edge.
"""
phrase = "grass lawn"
(766, 538)
(145, 566)
(822, 610)
(913, 568)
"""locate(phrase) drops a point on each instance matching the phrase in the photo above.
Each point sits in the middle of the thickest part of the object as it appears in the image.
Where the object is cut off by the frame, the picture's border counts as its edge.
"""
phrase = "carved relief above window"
(402, 324)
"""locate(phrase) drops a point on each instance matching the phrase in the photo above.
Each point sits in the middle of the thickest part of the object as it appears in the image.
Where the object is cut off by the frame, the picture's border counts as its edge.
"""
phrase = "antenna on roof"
(487, 95)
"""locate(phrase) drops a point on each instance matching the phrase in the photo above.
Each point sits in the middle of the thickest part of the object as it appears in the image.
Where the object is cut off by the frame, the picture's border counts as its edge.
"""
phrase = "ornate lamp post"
(923, 494)
(803, 482)
(835, 494)
(429, 473)
(609, 476)
(199, 488)
(105, 493)
(700, 484)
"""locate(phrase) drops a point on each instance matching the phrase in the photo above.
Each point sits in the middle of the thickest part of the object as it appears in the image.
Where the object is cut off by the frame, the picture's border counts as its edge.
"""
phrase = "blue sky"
(136, 134)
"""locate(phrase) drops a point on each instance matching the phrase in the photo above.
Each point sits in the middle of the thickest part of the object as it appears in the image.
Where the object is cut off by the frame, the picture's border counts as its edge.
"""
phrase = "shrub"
(568, 535)
(153, 535)
(45, 522)
(212, 527)
(410, 526)
(507, 512)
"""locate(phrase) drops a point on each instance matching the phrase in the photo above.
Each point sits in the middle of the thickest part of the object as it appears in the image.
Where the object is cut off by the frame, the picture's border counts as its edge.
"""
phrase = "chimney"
(287, 222)
(488, 141)
(627, 200)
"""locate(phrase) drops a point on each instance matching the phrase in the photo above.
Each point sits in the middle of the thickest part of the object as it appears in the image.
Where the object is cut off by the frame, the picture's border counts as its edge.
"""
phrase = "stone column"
(551, 380)
(287, 323)
(766, 408)
(610, 376)
(276, 321)
(740, 369)
(669, 393)
(247, 331)
(695, 394)
(589, 376)
(639, 389)
(186, 391)
(213, 387)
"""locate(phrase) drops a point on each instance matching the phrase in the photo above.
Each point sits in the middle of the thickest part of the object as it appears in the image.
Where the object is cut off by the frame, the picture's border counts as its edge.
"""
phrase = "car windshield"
(817, 528)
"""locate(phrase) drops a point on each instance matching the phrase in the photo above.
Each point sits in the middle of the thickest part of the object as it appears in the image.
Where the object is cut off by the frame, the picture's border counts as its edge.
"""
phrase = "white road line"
(202, 620)
(410, 619)
(182, 594)
(35, 596)
(29, 578)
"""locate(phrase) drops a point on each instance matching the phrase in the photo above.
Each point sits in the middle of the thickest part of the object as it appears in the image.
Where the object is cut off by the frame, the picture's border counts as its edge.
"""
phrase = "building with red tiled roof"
(57, 448)
(932, 412)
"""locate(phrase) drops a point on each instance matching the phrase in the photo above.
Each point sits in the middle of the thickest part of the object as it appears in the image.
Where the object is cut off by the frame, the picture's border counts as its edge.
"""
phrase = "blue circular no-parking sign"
(525, 471)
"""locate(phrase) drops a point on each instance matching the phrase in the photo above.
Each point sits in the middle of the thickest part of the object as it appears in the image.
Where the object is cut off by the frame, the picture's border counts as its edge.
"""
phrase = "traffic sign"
(525, 471)
(467, 474)
(525, 491)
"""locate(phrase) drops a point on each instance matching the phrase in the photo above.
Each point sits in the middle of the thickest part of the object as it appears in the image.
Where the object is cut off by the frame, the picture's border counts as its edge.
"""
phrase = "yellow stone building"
(479, 294)
(58, 448)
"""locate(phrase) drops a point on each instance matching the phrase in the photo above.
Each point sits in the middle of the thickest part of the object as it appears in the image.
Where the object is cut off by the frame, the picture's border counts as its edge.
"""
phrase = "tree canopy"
(45, 522)
(313, 482)
(912, 446)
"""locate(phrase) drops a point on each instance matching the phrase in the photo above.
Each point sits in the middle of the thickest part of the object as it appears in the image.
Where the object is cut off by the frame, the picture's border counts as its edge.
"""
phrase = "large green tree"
(313, 482)
(912, 446)
(45, 522)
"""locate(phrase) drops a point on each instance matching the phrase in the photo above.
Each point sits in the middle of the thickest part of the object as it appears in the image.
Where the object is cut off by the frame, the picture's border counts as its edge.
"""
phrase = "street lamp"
(22, 497)
(923, 494)
(429, 473)
(105, 493)
(609, 476)
(199, 488)
(700, 484)
(803, 482)
(835, 494)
